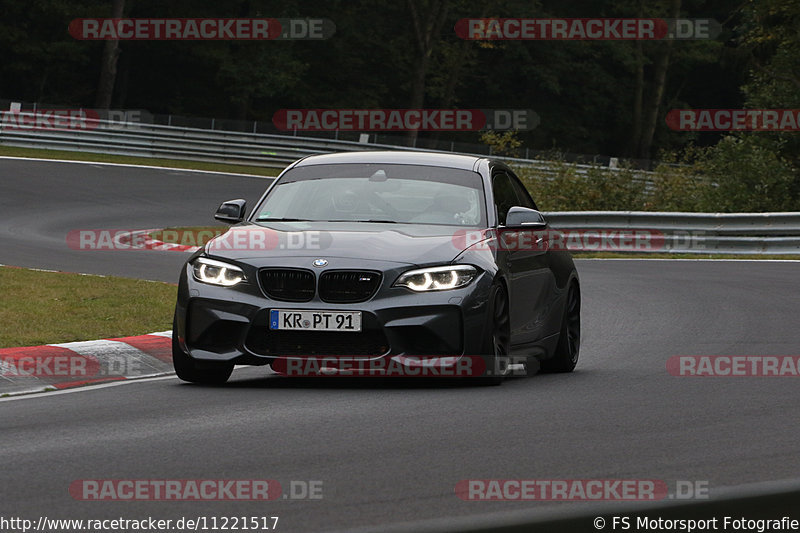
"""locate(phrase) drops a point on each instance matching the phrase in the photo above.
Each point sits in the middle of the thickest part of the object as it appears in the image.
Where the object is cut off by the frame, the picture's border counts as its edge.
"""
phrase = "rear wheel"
(189, 369)
(569, 339)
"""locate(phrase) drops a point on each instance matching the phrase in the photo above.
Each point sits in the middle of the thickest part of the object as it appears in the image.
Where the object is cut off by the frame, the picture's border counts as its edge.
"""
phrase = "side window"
(522, 194)
(505, 197)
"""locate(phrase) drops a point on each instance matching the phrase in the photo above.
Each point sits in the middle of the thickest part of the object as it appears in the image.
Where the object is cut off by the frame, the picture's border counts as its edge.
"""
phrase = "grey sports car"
(381, 263)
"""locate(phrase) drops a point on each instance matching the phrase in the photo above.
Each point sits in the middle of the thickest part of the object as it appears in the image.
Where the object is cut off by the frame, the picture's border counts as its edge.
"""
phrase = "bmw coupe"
(398, 263)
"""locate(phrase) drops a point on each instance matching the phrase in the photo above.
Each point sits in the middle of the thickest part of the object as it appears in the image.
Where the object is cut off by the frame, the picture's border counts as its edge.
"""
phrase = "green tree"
(760, 171)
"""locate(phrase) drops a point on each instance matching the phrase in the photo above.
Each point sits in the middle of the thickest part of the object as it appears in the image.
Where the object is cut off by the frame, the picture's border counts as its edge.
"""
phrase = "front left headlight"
(216, 272)
(441, 278)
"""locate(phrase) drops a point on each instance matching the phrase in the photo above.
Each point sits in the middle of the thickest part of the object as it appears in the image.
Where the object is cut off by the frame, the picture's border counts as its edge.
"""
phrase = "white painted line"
(83, 274)
(54, 271)
(133, 165)
(26, 395)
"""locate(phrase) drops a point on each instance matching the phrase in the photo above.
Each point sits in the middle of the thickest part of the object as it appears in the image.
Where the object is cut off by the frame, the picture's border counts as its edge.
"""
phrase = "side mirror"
(231, 211)
(525, 218)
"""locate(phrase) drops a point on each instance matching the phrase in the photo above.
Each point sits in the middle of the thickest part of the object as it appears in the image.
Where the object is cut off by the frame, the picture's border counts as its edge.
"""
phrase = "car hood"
(413, 244)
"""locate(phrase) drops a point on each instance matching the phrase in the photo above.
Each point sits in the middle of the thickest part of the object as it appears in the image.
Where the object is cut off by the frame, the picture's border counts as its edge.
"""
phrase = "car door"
(531, 282)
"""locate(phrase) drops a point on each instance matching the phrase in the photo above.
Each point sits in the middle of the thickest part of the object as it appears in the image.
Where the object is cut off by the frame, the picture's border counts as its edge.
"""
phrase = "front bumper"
(231, 324)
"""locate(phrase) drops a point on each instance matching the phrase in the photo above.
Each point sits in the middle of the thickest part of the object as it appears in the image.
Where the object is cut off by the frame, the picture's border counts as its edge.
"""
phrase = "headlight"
(216, 272)
(437, 278)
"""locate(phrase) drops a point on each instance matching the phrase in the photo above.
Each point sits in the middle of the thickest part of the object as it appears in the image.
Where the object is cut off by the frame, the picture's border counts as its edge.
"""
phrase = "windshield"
(403, 194)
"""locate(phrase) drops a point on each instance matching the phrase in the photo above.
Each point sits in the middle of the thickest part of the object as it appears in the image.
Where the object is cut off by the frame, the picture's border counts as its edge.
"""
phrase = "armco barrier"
(695, 233)
(742, 233)
(255, 149)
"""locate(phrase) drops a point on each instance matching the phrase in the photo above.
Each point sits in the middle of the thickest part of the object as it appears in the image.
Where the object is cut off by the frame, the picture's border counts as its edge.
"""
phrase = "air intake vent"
(317, 343)
(348, 286)
(287, 285)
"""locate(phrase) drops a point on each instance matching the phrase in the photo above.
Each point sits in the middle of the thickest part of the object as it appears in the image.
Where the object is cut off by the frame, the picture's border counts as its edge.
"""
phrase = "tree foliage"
(593, 97)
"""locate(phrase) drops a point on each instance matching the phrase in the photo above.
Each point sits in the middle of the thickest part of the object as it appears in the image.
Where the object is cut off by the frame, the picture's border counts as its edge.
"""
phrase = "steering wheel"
(376, 201)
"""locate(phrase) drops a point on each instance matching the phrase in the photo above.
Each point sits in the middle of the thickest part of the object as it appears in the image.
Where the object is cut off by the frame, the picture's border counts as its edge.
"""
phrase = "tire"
(498, 342)
(187, 369)
(569, 339)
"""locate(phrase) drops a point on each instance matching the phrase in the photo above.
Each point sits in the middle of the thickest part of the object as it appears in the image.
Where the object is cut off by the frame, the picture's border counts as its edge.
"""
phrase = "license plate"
(315, 320)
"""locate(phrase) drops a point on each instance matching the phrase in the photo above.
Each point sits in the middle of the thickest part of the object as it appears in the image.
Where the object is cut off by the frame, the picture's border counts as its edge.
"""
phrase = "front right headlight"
(441, 278)
(216, 272)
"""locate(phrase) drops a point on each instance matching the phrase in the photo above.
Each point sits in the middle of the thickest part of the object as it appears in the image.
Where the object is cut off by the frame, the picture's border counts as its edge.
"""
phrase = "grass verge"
(12, 151)
(52, 307)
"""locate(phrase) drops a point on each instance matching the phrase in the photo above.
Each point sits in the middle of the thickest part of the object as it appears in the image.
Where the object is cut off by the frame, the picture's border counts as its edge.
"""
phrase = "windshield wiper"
(269, 219)
(376, 221)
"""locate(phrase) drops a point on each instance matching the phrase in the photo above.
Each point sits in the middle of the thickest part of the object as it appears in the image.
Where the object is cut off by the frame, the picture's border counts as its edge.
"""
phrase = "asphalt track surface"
(392, 452)
(40, 202)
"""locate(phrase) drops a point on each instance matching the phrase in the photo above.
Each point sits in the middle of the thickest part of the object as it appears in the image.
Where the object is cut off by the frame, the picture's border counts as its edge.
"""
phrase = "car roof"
(436, 159)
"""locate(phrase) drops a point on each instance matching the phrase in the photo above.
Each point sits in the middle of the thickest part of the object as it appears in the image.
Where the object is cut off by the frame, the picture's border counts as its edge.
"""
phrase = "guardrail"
(388, 138)
(691, 233)
(255, 149)
(698, 233)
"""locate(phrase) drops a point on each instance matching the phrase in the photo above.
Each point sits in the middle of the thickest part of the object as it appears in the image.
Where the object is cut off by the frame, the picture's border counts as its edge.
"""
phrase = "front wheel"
(497, 343)
(188, 369)
(569, 339)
